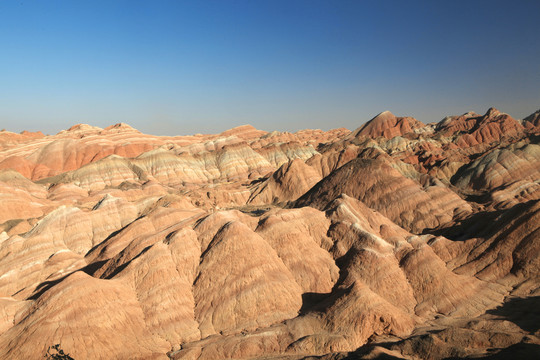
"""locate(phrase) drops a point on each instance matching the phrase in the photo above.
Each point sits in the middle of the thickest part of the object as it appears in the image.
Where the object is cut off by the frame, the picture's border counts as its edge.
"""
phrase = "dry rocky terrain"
(398, 240)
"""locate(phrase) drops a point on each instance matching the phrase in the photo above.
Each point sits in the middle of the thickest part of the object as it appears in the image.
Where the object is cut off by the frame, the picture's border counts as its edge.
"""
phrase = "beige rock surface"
(77, 309)
(288, 183)
(235, 291)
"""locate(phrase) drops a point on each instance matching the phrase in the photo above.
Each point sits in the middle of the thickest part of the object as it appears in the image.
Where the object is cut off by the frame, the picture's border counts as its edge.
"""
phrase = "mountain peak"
(82, 127)
(492, 112)
(246, 131)
(120, 127)
(387, 125)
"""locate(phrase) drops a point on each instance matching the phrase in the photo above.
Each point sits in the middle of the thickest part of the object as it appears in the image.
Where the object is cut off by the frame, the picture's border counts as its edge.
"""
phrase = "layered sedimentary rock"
(473, 129)
(385, 189)
(387, 125)
(289, 182)
(397, 239)
(533, 121)
(501, 167)
(76, 307)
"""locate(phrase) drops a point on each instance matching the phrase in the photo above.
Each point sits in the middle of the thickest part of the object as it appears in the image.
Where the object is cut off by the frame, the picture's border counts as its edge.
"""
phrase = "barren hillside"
(396, 240)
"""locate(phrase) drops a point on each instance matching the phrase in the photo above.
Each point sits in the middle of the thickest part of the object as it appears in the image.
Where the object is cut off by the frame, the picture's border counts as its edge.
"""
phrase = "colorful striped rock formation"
(398, 240)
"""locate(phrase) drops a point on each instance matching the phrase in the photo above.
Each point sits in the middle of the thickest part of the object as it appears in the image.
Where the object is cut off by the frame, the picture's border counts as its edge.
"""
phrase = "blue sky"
(182, 67)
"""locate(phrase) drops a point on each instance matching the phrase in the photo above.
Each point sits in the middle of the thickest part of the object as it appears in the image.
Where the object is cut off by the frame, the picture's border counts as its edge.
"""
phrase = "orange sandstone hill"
(398, 240)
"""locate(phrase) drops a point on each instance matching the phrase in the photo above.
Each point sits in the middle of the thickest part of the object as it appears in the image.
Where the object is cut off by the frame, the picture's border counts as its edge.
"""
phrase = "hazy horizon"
(179, 68)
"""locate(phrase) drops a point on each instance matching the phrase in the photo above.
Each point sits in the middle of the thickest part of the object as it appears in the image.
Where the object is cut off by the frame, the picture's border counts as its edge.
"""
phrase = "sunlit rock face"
(398, 239)
(387, 125)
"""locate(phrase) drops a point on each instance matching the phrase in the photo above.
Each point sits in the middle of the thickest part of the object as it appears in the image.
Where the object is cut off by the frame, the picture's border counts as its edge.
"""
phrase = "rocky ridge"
(396, 240)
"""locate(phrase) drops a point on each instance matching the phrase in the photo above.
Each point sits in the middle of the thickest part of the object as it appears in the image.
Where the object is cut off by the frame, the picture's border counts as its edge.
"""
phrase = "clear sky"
(182, 67)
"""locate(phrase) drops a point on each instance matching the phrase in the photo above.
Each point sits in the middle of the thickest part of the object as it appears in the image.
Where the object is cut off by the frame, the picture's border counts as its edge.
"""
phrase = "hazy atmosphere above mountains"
(175, 67)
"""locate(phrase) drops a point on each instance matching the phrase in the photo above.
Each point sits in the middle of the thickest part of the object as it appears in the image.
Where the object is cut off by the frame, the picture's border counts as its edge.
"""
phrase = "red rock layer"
(473, 130)
(387, 125)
